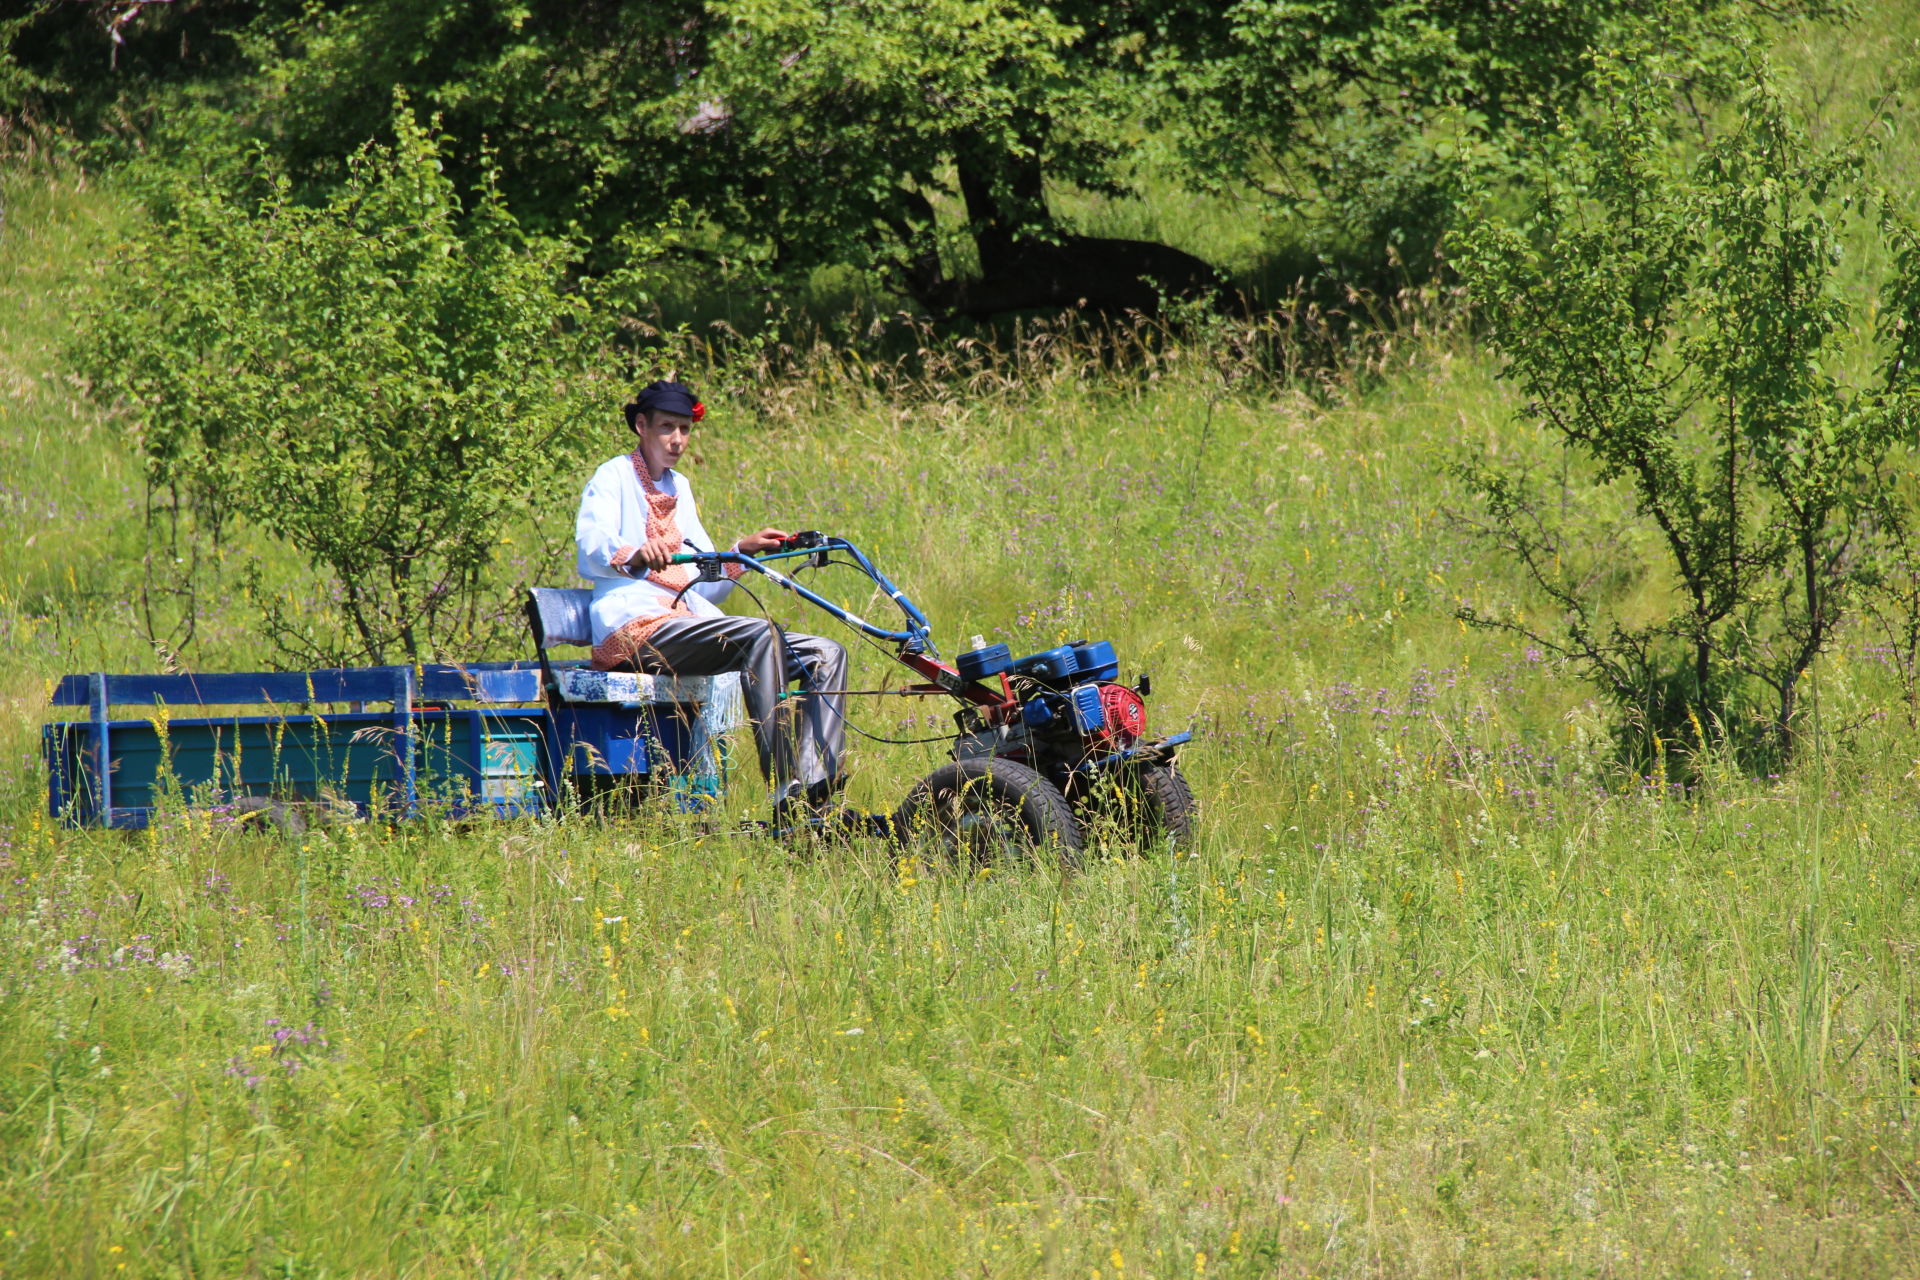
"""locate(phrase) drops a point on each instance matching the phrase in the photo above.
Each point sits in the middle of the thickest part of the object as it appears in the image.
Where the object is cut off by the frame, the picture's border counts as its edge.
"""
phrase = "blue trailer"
(486, 738)
(1044, 744)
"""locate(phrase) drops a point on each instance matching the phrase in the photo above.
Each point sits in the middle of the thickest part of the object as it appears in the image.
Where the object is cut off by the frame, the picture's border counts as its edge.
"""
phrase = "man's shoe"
(793, 814)
(823, 797)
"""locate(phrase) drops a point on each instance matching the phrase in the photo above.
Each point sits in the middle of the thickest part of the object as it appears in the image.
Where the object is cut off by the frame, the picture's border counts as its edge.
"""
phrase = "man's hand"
(765, 540)
(657, 552)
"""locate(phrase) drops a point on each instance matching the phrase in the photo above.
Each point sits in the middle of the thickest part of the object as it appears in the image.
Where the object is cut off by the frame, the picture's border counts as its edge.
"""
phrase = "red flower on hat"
(699, 411)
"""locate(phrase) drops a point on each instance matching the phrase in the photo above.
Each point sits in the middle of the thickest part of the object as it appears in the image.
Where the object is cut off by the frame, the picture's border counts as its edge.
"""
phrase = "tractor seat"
(559, 616)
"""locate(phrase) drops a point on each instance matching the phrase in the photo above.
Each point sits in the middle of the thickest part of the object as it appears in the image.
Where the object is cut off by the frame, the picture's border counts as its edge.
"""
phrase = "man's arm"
(596, 533)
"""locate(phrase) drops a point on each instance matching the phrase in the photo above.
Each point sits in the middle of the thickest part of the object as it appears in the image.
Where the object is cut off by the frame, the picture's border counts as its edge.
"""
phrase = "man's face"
(663, 438)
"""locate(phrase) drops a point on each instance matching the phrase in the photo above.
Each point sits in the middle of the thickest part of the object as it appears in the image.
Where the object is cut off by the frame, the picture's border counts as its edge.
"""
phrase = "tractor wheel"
(293, 817)
(1150, 805)
(262, 812)
(990, 810)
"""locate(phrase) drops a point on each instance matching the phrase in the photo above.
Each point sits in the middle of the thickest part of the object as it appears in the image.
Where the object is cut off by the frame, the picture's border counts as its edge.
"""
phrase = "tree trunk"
(1006, 196)
(1027, 263)
(1783, 727)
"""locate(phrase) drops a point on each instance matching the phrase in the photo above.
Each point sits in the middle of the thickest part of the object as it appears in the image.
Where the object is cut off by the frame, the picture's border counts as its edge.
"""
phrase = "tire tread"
(1044, 811)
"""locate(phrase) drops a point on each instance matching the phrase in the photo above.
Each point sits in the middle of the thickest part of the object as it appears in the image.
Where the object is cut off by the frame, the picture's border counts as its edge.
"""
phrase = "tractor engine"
(1071, 702)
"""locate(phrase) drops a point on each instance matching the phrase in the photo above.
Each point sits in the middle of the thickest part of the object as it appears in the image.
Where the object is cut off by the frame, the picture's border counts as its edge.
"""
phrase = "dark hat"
(665, 397)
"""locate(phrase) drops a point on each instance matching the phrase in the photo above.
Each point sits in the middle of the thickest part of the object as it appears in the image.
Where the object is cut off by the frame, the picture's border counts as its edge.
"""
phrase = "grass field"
(1437, 991)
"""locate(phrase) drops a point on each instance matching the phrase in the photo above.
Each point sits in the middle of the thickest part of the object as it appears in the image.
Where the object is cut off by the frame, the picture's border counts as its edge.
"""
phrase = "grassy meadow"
(1438, 991)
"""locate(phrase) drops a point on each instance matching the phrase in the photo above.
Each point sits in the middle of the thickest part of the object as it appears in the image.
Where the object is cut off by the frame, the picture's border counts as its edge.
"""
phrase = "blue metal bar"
(480, 682)
(349, 684)
(102, 757)
(881, 580)
(917, 634)
(466, 682)
(402, 695)
(477, 752)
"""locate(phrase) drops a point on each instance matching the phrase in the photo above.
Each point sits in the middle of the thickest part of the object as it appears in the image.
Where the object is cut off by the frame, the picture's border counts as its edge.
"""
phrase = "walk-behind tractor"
(1050, 747)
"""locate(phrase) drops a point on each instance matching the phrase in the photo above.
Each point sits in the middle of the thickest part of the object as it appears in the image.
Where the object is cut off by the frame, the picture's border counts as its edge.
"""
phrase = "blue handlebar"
(916, 637)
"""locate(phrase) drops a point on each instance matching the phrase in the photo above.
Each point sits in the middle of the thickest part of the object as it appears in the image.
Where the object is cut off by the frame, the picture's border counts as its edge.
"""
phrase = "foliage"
(1431, 943)
(927, 141)
(1423, 1047)
(379, 382)
(99, 64)
(1372, 119)
(1680, 327)
(804, 133)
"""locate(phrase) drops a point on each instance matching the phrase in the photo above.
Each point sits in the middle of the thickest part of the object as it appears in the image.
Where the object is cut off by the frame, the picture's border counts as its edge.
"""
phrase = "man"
(650, 616)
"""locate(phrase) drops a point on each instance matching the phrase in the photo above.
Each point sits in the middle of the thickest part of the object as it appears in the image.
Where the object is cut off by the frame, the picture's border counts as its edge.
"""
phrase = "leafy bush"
(926, 142)
(380, 382)
(1681, 328)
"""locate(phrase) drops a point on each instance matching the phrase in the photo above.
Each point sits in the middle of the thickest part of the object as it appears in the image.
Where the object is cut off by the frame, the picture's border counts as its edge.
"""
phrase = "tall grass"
(1450, 1035)
(1438, 990)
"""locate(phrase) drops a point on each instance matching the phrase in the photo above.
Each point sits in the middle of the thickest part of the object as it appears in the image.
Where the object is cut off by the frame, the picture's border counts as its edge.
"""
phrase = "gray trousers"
(753, 647)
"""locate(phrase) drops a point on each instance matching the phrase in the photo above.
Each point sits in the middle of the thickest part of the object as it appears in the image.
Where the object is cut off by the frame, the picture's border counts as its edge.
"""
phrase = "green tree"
(1681, 327)
(86, 62)
(927, 140)
(378, 382)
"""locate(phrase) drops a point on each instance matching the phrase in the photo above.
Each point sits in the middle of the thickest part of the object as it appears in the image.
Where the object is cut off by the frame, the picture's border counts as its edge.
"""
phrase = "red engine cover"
(1126, 714)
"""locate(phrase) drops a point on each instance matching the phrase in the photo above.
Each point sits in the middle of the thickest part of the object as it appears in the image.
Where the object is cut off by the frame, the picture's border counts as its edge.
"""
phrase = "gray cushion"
(631, 689)
(560, 615)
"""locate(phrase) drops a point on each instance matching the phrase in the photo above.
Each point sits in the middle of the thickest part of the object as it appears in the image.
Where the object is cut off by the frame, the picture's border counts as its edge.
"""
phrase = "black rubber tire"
(986, 809)
(262, 812)
(294, 817)
(1150, 804)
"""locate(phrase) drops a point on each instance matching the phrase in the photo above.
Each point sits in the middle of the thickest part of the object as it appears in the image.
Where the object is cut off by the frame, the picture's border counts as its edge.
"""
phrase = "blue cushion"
(631, 689)
(560, 615)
